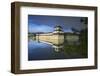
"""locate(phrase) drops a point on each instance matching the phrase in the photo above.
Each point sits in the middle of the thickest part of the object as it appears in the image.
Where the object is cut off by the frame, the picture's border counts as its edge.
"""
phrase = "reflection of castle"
(58, 37)
(58, 48)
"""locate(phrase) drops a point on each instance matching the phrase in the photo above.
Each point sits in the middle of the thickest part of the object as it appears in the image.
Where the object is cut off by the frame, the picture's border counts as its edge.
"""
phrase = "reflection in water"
(58, 48)
(39, 50)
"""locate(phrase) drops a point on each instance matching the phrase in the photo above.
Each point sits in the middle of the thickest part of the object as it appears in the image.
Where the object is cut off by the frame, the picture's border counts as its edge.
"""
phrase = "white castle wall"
(57, 38)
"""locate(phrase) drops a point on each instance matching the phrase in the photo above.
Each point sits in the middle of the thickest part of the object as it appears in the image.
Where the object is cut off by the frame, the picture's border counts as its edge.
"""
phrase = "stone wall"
(72, 38)
(57, 38)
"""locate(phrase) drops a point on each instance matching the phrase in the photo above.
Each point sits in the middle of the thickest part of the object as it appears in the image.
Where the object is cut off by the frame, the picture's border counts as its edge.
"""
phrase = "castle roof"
(58, 28)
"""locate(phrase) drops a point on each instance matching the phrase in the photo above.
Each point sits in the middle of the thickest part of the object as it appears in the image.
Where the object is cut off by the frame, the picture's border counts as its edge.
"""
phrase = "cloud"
(40, 28)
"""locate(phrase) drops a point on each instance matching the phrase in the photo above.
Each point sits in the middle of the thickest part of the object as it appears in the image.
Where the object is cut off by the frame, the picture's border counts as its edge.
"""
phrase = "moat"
(57, 45)
(44, 51)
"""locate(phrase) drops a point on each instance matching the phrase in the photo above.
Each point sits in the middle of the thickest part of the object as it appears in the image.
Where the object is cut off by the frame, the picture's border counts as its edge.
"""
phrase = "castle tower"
(58, 29)
(58, 35)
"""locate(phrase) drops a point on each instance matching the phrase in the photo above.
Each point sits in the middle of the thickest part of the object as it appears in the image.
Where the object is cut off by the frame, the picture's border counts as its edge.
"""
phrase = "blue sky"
(41, 23)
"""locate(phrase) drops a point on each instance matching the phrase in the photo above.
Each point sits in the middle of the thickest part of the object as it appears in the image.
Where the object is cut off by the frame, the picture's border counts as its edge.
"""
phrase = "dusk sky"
(41, 23)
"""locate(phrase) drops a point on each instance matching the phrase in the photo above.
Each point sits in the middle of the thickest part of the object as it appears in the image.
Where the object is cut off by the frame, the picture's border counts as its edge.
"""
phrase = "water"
(44, 51)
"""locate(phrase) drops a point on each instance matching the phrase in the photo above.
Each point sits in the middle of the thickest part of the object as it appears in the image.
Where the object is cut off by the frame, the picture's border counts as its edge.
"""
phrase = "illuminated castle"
(57, 37)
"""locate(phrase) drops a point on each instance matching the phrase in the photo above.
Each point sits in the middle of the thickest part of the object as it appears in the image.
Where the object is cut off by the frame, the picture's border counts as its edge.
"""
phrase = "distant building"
(58, 36)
